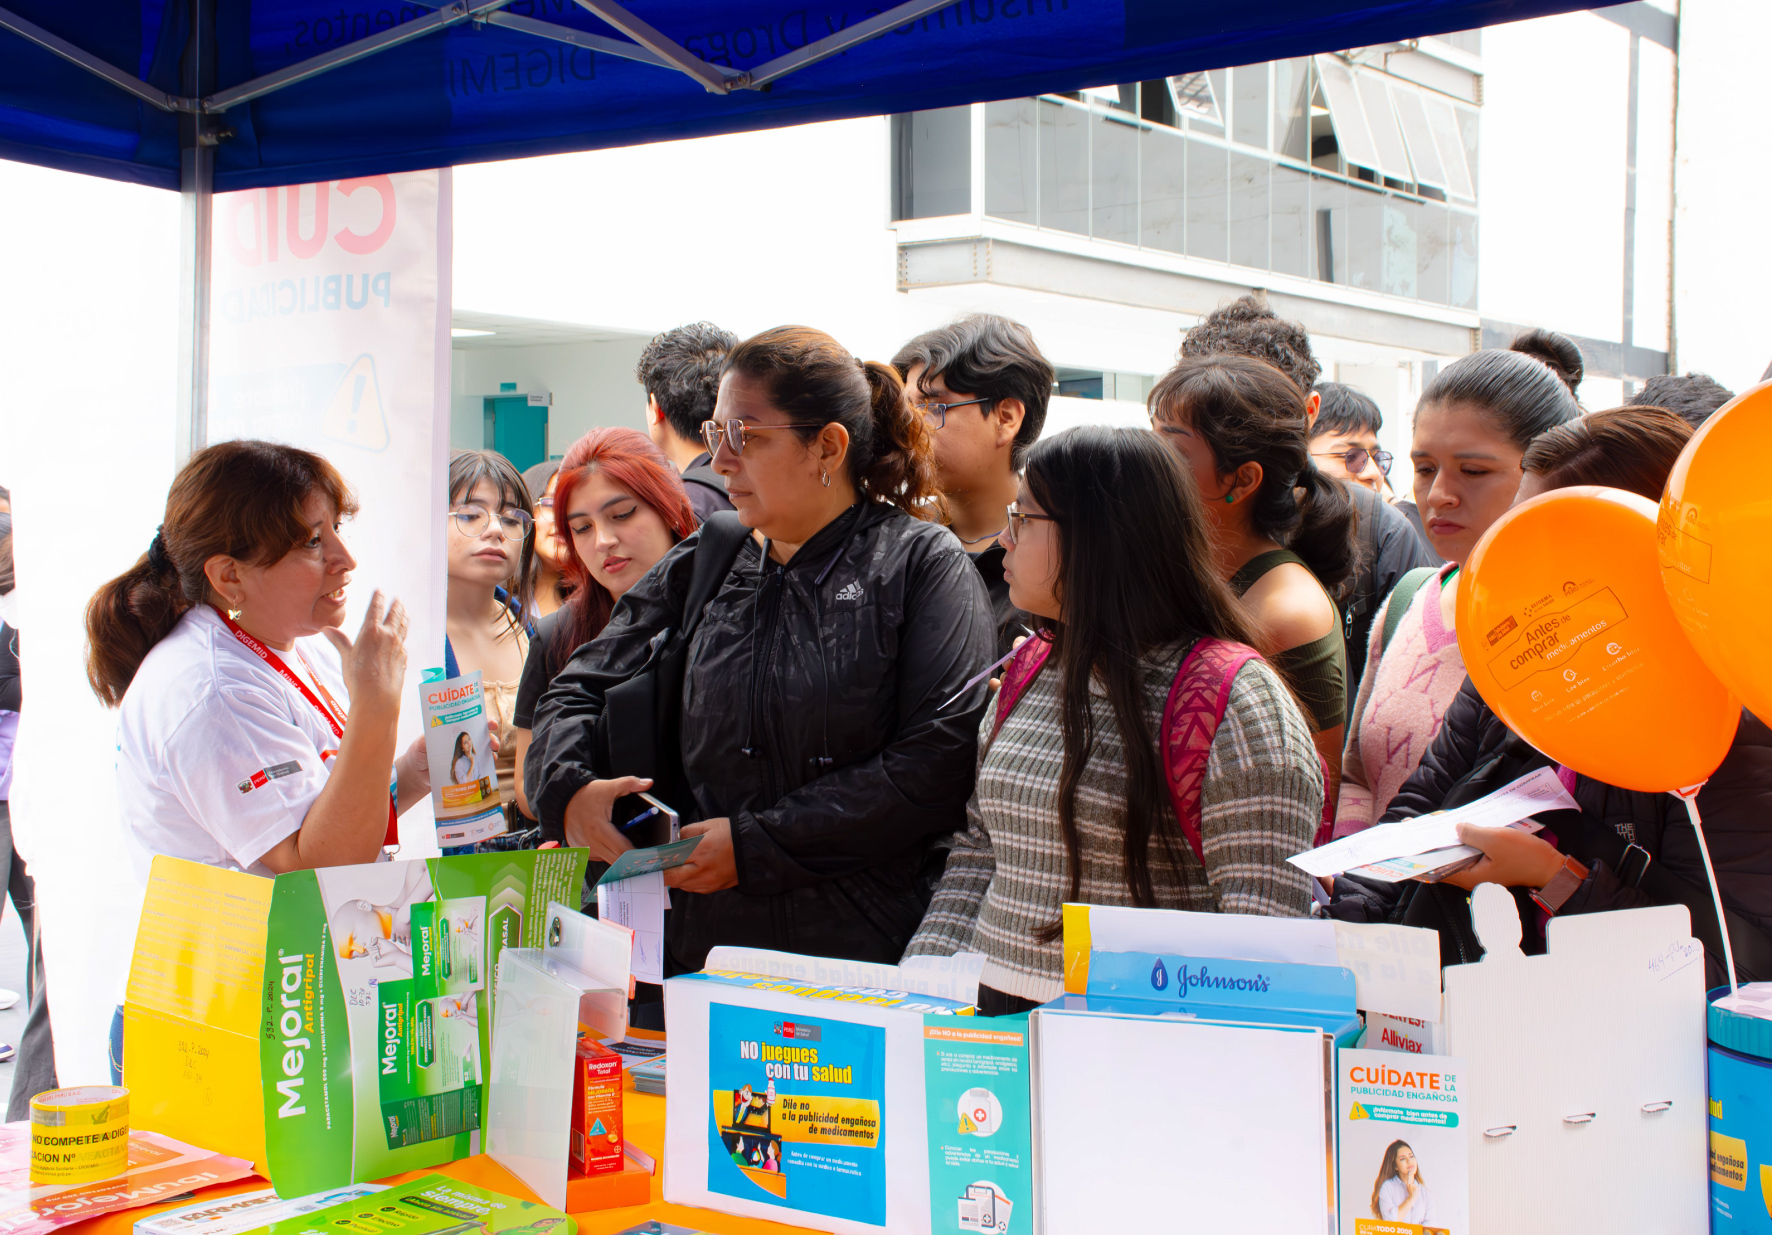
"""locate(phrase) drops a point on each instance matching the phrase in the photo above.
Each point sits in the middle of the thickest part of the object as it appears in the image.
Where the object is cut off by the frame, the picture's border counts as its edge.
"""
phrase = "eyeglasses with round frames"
(938, 412)
(1012, 529)
(472, 520)
(1354, 458)
(736, 431)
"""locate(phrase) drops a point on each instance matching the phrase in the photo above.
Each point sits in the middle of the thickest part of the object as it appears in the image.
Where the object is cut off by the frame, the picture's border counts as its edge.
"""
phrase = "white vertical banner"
(330, 331)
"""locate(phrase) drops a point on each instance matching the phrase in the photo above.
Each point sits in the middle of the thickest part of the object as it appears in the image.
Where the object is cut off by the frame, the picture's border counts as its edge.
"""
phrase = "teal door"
(516, 430)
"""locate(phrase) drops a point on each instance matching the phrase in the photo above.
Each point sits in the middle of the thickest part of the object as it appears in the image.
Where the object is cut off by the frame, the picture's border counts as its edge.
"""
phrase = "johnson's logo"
(1159, 976)
(1187, 979)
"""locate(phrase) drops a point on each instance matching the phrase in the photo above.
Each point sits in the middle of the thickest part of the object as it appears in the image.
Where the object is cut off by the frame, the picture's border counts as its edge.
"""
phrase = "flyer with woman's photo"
(458, 746)
(1403, 1153)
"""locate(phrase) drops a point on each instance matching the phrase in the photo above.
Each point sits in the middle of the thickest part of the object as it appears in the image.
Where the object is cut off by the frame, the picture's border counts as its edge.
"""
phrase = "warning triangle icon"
(967, 1127)
(354, 412)
(598, 1130)
(1359, 1112)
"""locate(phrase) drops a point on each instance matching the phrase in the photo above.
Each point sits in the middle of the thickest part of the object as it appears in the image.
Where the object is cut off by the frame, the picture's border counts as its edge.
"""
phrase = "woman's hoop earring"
(824, 478)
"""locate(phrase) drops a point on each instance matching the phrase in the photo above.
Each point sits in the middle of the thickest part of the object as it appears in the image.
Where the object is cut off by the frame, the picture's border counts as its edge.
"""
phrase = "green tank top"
(1316, 671)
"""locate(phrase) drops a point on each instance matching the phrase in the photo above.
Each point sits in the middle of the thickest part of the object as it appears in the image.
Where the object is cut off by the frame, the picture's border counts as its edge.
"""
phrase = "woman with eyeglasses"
(491, 550)
(831, 686)
(1085, 749)
(1472, 427)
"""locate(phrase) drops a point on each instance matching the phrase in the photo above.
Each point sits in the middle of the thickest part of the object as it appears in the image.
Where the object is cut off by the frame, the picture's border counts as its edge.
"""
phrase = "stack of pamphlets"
(649, 1077)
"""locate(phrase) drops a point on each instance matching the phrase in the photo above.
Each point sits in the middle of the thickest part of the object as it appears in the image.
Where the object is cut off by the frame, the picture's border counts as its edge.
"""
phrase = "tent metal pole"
(833, 44)
(196, 183)
(673, 53)
(34, 33)
(577, 38)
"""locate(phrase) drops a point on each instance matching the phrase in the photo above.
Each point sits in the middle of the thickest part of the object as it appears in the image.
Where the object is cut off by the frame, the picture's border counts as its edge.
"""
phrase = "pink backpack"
(1196, 704)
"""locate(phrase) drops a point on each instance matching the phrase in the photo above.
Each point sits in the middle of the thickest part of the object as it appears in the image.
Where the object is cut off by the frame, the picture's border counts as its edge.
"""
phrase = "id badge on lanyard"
(335, 715)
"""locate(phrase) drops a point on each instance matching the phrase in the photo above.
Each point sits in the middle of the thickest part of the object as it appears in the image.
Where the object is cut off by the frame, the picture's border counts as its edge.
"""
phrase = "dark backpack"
(639, 732)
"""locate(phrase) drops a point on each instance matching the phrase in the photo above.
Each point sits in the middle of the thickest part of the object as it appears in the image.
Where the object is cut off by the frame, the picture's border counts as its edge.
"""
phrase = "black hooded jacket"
(813, 720)
(1475, 753)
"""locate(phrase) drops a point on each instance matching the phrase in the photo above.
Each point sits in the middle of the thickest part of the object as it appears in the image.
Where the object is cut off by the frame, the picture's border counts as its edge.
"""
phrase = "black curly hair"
(1248, 327)
(681, 368)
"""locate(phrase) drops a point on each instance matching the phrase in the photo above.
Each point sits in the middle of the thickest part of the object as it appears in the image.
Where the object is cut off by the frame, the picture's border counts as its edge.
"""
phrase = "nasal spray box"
(458, 747)
(852, 1108)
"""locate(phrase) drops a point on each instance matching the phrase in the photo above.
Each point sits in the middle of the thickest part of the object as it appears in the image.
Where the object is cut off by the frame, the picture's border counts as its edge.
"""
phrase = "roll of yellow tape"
(79, 1135)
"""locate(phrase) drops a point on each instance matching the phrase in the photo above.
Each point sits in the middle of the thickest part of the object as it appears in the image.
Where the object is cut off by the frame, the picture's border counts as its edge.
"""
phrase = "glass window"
(1010, 182)
(1080, 383)
(1329, 202)
(932, 163)
(1365, 238)
(1249, 210)
(1162, 188)
(1468, 122)
(1064, 167)
(1249, 105)
(1114, 195)
(1207, 206)
(1291, 245)
(1157, 105)
(1462, 241)
(1351, 134)
(1450, 147)
(1196, 99)
(1218, 87)
(1393, 160)
(1292, 108)
(1412, 116)
(1433, 261)
(1399, 247)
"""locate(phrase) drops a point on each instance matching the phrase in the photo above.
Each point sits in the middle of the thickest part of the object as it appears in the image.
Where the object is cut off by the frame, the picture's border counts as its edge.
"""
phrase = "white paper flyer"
(1403, 1163)
(458, 746)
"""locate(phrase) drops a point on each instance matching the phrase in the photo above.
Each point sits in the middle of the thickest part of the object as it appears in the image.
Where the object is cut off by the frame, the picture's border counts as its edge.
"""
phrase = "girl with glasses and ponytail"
(831, 683)
(1140, 684)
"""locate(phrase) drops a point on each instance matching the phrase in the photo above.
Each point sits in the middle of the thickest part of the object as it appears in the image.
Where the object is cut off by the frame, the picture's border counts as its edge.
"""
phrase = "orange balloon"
(1569, 637)
(1715, 535)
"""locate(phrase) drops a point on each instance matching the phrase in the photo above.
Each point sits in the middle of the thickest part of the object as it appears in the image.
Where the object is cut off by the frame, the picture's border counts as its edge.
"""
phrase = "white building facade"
(1407, 203)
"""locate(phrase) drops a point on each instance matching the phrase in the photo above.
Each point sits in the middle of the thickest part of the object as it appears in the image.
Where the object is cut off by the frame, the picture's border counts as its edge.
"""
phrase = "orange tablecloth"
(643, 1120)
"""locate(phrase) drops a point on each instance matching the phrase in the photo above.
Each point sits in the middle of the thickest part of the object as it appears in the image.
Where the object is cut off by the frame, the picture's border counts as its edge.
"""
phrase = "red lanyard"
(335, 715)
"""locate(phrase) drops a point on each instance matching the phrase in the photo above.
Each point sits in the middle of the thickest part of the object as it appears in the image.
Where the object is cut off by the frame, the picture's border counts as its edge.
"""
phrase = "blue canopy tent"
(205, 95)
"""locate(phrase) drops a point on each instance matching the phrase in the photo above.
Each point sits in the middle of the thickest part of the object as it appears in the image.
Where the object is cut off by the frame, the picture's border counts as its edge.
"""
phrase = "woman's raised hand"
(374, 665)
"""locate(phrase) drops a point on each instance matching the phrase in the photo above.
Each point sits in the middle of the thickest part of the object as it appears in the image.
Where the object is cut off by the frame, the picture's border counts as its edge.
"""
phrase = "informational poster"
(1403, 1147)
(330, 331)
(797, 1111)
(980, 1132)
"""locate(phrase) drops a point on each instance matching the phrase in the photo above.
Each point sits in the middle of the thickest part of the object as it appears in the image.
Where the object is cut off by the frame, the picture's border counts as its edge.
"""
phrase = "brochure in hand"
(646, 861)
(458, 747)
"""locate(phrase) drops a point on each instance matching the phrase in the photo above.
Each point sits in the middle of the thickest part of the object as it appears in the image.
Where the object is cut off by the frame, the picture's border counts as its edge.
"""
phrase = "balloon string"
(1690, 798)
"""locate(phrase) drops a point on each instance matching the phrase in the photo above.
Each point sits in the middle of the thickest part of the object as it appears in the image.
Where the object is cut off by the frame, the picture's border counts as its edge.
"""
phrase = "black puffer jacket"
(843, 655)
(1475, 753)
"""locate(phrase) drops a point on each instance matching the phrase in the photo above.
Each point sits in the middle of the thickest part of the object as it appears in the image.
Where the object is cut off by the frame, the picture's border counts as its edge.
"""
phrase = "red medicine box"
(596, 1108)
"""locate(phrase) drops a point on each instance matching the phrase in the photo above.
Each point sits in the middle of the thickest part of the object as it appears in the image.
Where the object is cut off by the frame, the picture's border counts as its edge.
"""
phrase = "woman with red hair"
(619, 506)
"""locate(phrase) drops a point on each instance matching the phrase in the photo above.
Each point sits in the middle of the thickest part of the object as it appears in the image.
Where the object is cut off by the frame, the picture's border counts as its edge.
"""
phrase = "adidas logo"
(852, 591)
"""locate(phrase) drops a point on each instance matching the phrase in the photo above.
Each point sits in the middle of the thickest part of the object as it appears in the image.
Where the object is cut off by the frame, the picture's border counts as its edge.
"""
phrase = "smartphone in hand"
(645, 821)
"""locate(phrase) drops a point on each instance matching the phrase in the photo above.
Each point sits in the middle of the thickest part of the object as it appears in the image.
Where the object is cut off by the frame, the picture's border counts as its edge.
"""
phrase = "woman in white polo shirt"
(233, 747)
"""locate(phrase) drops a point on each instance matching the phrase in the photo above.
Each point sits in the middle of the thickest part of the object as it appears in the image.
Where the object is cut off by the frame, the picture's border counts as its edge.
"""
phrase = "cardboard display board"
(332, 1025)
(1584, 1072)
(799, 1103)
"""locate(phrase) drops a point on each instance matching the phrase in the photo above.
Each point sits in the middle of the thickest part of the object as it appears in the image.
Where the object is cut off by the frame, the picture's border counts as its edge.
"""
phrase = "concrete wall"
(592, 383)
